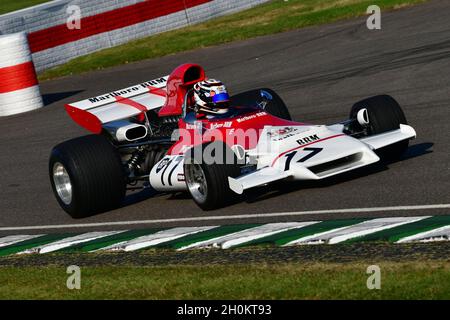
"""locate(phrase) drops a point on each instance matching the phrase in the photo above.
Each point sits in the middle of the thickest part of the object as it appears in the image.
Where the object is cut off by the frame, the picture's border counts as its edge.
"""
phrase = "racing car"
(147, 136)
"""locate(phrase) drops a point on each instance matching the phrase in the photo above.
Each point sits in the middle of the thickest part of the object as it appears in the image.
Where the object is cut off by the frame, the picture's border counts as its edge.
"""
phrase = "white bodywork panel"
(108, 107)
(168, 174)
(299, 156)
(384, 139)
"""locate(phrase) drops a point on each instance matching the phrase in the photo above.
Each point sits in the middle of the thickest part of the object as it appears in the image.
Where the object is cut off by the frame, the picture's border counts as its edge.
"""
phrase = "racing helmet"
(211, 96)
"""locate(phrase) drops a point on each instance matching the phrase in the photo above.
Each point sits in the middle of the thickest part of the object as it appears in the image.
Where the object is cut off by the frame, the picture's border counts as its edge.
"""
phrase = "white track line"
(358, 230)
(230, 217)
(230, 240)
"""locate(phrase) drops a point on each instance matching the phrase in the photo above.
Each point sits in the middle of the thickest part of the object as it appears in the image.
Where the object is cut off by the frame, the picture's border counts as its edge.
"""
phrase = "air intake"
(336, 165)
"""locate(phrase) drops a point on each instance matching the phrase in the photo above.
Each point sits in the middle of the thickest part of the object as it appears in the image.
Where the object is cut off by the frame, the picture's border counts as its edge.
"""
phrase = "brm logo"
(309, 139)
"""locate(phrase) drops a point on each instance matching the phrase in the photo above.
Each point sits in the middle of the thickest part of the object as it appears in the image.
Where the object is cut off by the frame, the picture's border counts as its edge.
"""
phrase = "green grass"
(273, 17)
(406, 280)
(13, 5)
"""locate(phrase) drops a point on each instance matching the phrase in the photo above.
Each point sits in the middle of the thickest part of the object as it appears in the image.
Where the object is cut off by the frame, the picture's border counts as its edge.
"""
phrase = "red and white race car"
(147, 135)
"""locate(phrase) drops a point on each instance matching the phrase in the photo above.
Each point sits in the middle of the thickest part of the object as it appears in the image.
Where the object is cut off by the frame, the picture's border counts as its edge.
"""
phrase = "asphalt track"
(320, 72)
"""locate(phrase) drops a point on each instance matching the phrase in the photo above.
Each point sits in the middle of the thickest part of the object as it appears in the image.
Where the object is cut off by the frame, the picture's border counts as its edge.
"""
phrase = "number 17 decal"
(291, 155)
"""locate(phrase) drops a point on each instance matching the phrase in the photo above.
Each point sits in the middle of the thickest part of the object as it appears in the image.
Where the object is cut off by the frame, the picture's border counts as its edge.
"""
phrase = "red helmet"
(211, 96)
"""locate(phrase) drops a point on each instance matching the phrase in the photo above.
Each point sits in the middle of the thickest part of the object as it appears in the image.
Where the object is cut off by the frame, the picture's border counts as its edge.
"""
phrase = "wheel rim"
(196, 182)
(63, 185)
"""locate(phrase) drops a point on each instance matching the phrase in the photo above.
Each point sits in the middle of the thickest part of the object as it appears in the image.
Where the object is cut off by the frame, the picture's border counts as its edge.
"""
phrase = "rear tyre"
(87, 176)
(385, 114)
(273, 103)
(207, 180)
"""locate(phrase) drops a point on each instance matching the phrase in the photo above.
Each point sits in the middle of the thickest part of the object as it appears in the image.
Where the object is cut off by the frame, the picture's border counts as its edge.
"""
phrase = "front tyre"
(87, 176)
(207, 176)
(385, 114)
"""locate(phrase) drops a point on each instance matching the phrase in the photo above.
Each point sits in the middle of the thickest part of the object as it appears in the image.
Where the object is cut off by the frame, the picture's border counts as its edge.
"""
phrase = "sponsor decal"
(190, 126)
(283, 133)
(197, 126)
(226, 124)
(308, 139)
(252, 116)
(122, 92)
(164, 162)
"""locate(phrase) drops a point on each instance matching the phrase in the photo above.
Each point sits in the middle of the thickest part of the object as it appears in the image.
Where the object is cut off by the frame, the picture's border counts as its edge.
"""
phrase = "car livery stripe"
(133, 104)
(177, 162)
(158, 91)
(164, 171)
(305, 145)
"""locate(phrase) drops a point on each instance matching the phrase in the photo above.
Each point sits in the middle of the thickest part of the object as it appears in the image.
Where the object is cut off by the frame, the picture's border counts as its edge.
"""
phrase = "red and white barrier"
(105, 23)
(19, 88)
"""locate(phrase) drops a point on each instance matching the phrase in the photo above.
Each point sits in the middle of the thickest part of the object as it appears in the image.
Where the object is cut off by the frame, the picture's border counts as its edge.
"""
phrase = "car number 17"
(311, 153)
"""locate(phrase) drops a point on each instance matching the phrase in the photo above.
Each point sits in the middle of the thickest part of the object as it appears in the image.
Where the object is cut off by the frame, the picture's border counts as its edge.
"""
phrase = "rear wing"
(93, 112)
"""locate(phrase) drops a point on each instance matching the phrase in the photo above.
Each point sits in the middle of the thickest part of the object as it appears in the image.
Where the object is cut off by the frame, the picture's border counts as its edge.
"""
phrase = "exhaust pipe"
(126, 131)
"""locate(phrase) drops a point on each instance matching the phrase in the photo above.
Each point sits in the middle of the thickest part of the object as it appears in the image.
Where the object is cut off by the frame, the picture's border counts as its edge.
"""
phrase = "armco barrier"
(19, 88)
(106, 23)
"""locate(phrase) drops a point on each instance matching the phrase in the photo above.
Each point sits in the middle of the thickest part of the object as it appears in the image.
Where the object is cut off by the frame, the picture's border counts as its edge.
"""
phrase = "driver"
(211, 98)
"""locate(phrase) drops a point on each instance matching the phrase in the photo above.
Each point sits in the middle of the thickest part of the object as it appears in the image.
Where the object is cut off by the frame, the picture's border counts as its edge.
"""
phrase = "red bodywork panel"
(85, 119)
(244, 130)
(179, 82)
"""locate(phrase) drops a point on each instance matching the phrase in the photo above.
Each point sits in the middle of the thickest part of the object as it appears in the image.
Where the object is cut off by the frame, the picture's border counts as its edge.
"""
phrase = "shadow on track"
(50, 98)
(139, 196)
(147, 193)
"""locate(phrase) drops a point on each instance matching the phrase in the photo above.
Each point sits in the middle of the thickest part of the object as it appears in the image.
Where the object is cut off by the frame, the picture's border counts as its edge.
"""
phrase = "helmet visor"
(221, 97)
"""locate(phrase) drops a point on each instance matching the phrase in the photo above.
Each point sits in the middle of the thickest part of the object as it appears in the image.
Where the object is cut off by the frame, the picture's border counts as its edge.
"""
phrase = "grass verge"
(13, 5)
(399, 280)
(272, 17)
